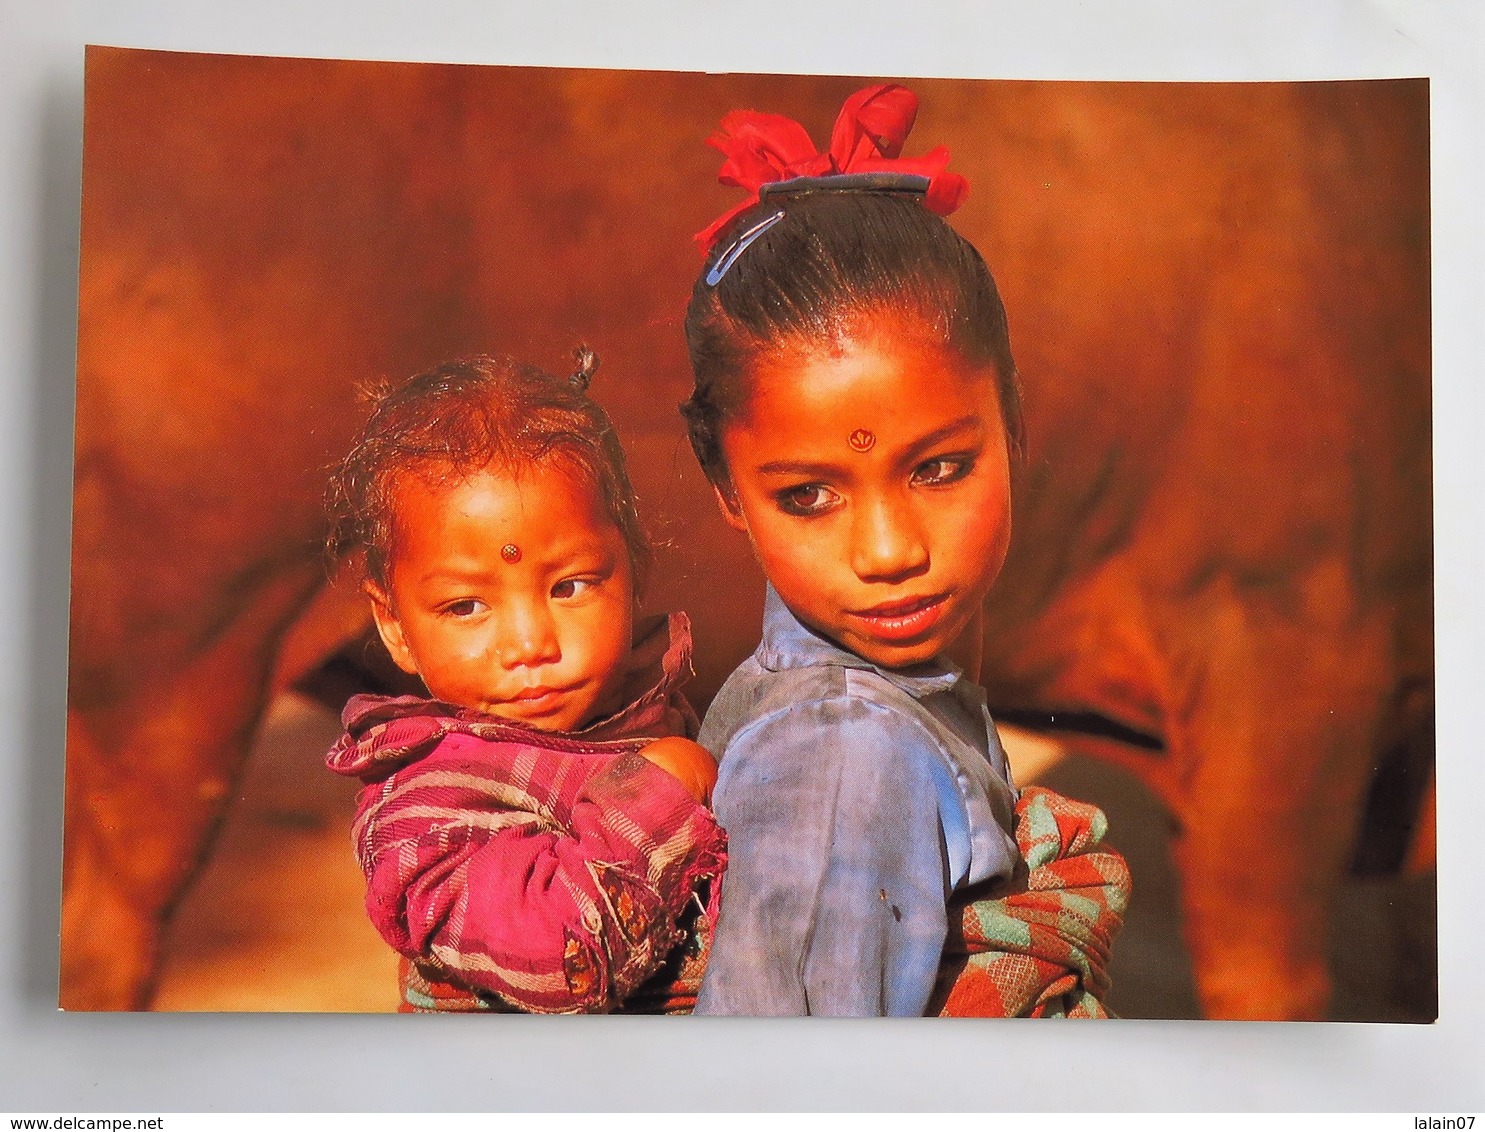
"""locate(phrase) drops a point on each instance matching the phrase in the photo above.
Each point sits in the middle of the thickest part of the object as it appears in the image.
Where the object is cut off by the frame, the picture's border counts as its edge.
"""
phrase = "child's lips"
(533, 693)
(904, 620)
(537, 701)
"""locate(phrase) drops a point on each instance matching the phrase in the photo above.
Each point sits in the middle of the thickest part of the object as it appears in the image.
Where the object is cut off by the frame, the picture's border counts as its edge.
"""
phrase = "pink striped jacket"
(543, 872)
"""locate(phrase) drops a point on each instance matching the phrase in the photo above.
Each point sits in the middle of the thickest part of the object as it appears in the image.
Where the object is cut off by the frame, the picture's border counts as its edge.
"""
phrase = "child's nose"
(526, 636)
(887, 542)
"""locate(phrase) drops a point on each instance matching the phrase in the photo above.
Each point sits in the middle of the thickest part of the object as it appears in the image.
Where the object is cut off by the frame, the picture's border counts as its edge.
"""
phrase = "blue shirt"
(856, 799)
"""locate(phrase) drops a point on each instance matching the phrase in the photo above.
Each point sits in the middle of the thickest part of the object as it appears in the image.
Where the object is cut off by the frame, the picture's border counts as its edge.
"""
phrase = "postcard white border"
(244, 1063)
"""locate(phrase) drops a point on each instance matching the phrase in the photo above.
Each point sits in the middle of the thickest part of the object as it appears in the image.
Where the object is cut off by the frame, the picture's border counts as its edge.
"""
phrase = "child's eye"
(572, 587)
(464, 607)
(807, 499)
(944, 470)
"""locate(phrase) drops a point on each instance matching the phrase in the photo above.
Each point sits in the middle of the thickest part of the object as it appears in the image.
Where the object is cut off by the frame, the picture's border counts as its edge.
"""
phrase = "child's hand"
(690, 763)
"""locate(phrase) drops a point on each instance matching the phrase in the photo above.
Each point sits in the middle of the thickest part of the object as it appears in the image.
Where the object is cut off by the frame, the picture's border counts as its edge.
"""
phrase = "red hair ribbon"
(868, 136)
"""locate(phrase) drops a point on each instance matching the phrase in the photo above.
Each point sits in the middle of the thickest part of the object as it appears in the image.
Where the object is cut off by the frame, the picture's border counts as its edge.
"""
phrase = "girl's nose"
(526, 636)
(887, 542)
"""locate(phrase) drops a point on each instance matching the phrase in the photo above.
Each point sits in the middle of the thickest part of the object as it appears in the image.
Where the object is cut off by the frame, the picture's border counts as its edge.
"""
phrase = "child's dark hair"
(832, 259)
(463, 416)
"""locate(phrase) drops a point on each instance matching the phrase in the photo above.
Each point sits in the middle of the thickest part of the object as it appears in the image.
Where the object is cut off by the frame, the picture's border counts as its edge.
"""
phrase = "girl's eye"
(572, 587)
(807, 499)
(464, 607)
(945, 470)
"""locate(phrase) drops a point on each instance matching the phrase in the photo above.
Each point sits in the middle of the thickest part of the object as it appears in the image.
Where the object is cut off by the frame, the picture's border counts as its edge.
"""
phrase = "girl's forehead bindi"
(885, 405)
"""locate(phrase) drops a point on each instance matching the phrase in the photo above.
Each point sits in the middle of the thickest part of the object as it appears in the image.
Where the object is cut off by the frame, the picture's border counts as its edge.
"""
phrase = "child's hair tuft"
(587, 366)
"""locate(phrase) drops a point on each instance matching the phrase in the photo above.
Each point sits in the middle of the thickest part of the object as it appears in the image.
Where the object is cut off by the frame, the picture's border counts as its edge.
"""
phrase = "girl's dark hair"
(463, 416)
(835, 258)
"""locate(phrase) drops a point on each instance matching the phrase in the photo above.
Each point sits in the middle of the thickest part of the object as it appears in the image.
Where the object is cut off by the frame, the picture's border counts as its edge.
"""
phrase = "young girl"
(532, 833)
(856, 412)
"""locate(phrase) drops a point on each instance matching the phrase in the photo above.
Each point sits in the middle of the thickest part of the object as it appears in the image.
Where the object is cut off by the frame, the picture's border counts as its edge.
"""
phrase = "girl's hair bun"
(587, 366)
(865, 154)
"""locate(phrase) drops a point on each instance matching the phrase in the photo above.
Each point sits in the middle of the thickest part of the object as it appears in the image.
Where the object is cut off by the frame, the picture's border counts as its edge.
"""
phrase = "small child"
(532, 833)
(856, 411)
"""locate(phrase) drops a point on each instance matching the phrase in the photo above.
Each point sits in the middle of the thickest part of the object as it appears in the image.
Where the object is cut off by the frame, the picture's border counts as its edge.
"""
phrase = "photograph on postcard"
(557, 540)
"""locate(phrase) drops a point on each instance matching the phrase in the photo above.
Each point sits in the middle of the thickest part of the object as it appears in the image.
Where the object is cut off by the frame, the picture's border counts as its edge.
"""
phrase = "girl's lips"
(902, 621)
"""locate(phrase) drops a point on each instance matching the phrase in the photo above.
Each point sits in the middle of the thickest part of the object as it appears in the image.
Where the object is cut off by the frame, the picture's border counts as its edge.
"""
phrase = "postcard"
(1106, 405)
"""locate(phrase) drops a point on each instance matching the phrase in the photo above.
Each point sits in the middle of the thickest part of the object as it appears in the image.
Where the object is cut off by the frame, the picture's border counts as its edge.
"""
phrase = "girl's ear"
(389, 628)
(727, 503)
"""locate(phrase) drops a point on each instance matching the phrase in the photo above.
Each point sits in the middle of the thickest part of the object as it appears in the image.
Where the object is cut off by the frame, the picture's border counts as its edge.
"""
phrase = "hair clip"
(740, 245)
(904, 184)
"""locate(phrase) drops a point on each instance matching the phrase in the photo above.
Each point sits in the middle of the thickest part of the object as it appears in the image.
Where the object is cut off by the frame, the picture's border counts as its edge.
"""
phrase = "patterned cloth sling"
(1041, 949)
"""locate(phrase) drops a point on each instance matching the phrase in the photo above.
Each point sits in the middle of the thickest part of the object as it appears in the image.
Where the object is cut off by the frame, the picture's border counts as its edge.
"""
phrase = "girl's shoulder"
(788, 739)
(810, 701)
